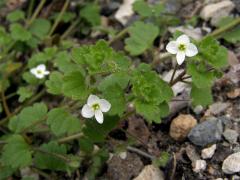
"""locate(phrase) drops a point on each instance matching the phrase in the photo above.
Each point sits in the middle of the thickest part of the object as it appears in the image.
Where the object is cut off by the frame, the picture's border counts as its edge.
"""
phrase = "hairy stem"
(120, 35)
(223, 29)
(70, 28)
(70, 138)
(35, 14)
(64, 8)
(174, 72)
(140, 152)
(5, 105)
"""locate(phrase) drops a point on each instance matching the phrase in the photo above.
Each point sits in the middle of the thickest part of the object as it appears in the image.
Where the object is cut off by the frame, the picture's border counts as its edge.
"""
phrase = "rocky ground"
(203, 143)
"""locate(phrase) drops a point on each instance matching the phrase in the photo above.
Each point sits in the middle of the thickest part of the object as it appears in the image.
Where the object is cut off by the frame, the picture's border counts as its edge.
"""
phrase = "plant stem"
(30, 8)
(69, 138)
(5, 105)
(120, 35)
(174, 72)
(29, 102)
(64, 8)
(35, 14)
(229, 26)
(70, 28)
(60, 156)
(45, 175)
(178, 78)
(140, 152)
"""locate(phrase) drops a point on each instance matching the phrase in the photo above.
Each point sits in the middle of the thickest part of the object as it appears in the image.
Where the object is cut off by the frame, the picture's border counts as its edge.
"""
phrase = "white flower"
(182, 47)
(39, 71)
(95, 107)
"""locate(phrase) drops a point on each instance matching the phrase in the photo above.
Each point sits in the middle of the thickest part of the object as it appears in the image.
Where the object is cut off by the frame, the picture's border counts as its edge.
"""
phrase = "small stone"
(231, 164)
(217, 108)
(207, 153)
(181, 126)
(125, 11)
(230, 135)
(123, 155)
(198, 109)
(150, 172)
(217, 11)
(207, 132)
(234, 93)
(199, 165)
(195, 33)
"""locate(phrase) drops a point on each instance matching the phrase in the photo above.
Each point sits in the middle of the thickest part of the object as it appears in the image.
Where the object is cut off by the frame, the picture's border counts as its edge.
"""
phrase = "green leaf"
(19, 33)
(5, 172)
(146, 10)
(30, 78)
(115, 95)
(233, 36)
(119, 78)
(141, 37)
(86, 145)
(62, 122)
(97, 132)
(40, 28)
(54, 84)
(162, 160)
(15, 16)
(201, 77)
(5, 38)
(66, 17)
(28, 117)
(48, 161)
(24, 93)
(149, 87)
(63, 62)
(91, 13)
(16, 153)
(213, 53)
(74, 85)
(201, 96)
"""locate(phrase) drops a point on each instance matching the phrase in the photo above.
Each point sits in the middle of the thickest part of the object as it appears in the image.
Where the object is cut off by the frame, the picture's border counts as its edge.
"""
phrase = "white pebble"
(199, 165)
(207, 153)
(231, 164)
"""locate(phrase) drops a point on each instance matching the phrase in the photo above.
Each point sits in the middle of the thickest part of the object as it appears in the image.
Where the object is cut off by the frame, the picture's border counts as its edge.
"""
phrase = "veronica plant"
(70, 93)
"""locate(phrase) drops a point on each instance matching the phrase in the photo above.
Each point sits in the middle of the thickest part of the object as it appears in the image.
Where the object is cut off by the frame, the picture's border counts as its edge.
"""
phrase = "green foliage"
(233, 36)
(28, 117)
(16, 153)
(201, 96)
(150, 92)
(67, 16)
(74, 85)
(19, 33)
(24, 93)
(99, 58)
(213, 53)
(54, 84)
(45, 160)
(15, 16)
(63, 62)
(141, 37)
(61, 122)
(201, 76)
(162, 160)
(146, 10)
(40, 28)
(91, 13)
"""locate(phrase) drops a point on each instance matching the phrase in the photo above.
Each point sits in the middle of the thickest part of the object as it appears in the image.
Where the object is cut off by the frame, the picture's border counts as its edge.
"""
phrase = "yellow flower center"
(95, 107)
(39, 71)
(182, 47)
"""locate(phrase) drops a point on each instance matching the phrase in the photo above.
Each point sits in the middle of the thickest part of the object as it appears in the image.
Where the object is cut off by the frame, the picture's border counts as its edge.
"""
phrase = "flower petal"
(104, 105)
(183, 39)
(87, 111)
(33, 71)
(41, 67)
(172, 47)
(39, 76)
(92, 99)
(191, 50)
(46, 72)
(99, 116)
(180, 57)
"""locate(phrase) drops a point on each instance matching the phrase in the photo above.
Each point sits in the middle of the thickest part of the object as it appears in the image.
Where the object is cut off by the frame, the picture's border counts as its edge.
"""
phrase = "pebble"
(150, 172)
(207, 153)
(199, 165)
(125, 11)
(207, 132)
(216, 11)
(217, 108)
(230, 135)
(231, 164)
(181, 126)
